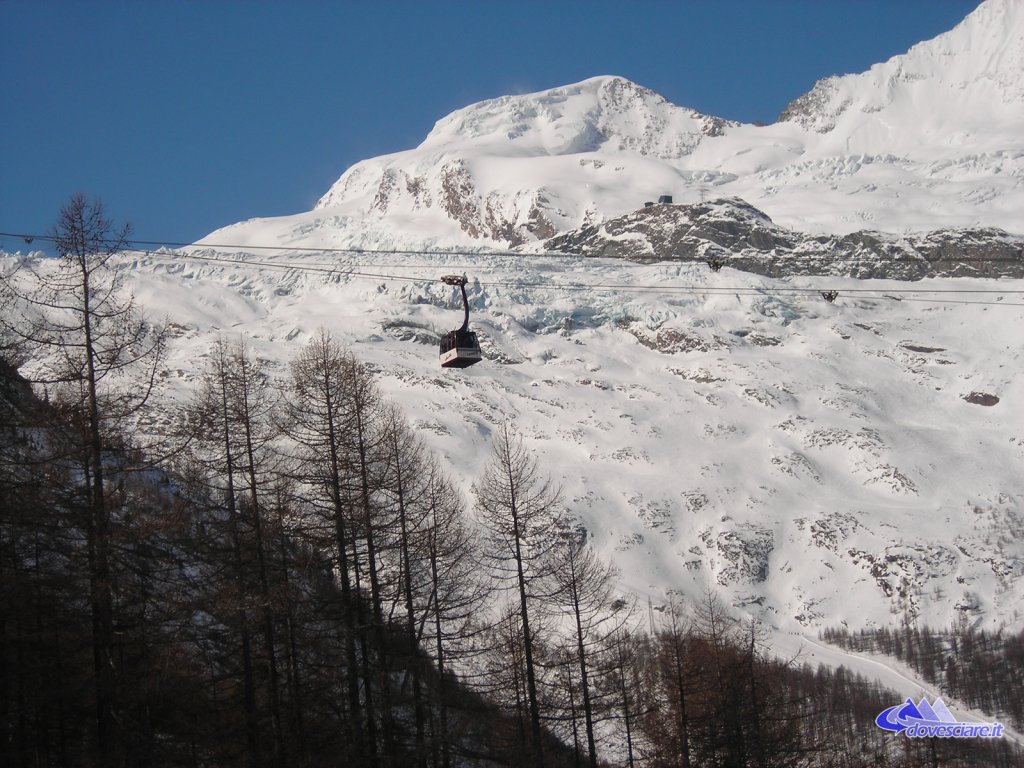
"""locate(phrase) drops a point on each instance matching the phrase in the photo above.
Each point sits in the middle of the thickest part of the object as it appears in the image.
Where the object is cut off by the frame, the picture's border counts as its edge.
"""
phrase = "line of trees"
(288, 577)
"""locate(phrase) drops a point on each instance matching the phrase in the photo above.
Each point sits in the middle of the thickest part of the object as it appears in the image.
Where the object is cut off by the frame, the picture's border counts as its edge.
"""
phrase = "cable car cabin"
(460, 349)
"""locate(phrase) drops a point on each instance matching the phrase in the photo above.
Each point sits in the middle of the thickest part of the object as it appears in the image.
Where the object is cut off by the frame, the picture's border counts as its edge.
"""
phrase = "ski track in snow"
(886, 671)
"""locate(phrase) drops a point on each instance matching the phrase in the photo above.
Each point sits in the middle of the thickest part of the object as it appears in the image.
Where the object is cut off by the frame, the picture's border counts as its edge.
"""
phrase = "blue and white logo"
(924, 720)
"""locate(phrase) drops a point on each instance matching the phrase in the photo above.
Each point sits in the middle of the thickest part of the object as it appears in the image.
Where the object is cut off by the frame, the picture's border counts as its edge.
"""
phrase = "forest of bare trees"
(283, 574)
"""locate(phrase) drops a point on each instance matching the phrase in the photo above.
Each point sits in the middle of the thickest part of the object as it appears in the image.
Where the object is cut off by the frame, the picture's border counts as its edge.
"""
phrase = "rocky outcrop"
(733, 233)
(514, 220)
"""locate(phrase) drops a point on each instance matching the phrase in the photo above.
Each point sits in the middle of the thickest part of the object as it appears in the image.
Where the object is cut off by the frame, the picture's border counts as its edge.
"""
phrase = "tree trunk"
(421, 756)
(108, 738)
(261, 563)
(248, 680)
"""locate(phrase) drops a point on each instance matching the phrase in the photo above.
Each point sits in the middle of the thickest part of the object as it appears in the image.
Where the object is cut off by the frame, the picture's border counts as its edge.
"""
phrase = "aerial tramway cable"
(351, 271)
(355, 251)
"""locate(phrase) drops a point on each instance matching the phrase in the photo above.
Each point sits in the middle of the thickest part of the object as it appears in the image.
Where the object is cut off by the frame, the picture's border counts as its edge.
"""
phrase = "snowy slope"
(965, 87)
(815, 462)
(928, 140)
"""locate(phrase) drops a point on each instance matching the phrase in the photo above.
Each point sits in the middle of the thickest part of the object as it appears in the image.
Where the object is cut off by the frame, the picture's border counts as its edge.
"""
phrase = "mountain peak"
(928, 140)
(607, 113)
(951, 83)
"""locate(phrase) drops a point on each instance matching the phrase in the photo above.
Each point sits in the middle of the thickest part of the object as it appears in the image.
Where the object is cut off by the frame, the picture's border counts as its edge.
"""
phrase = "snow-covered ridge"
(603, 114)
(966, 84)
(931, 139)
(733, 233)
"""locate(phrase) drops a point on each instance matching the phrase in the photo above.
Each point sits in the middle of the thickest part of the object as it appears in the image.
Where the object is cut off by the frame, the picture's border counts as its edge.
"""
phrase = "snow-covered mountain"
(932, 139)
(858, 461)
(817, 463)
(965, 87)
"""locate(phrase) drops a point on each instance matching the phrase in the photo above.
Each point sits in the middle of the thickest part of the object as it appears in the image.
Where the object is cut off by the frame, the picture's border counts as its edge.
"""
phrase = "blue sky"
(187, 116)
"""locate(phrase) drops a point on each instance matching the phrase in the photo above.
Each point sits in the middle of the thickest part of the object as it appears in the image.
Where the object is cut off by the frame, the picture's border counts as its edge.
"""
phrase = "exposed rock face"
(982, 398)
(490, 217)
(735, 234)
(815, 109)
(459, 198)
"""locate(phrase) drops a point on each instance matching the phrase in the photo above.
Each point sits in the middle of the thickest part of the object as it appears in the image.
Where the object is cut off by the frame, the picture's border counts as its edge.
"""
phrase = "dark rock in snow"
(736, 234)
(981, 398)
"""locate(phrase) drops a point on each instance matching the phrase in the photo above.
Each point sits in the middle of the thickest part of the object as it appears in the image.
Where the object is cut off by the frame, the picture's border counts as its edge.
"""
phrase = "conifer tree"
(584, 589)
(457, 595)
(232, 429)
(318, 418)
(98, 360)
(520, 515)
